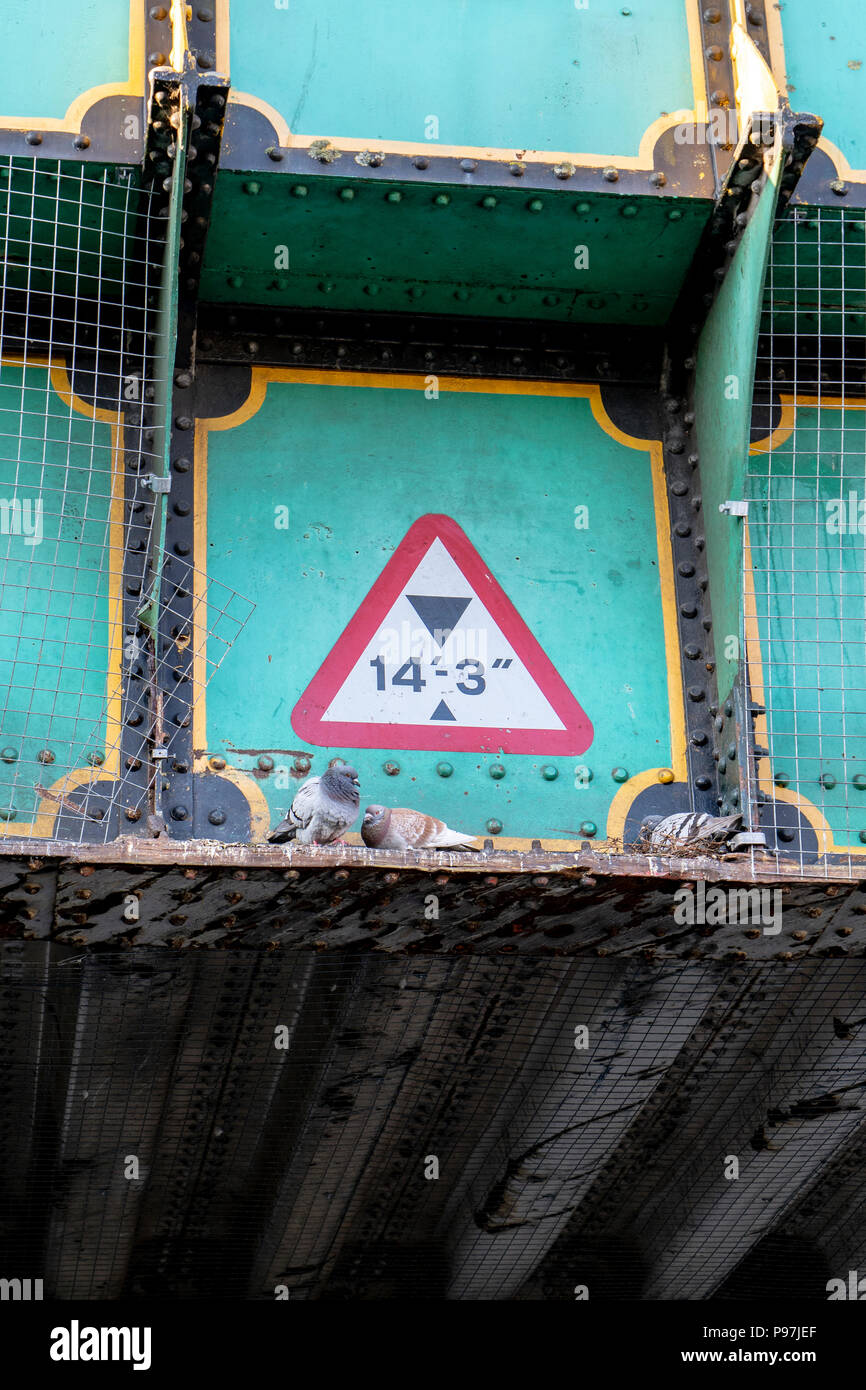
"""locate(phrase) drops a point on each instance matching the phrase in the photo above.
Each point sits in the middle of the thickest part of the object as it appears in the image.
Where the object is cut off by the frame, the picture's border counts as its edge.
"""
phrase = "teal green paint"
(368, 253)
(724, 380)
(52, 52)
(356, 467)
(54, 601)
(825, 52)
(807, 553)
(819, 273)
(522, 76)
(58, 227)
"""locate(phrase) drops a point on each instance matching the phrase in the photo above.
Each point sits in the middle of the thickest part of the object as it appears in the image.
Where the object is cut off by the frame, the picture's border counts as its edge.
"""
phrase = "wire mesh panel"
(805, 566)
(82, 268)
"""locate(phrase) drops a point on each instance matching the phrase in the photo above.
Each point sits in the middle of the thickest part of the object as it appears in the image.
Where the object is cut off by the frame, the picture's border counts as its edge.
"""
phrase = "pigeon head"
(374, 827)
(650, 822)
(342, 782)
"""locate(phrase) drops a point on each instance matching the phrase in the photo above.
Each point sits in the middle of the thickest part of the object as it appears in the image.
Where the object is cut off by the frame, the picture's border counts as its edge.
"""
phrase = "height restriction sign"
(438, 657)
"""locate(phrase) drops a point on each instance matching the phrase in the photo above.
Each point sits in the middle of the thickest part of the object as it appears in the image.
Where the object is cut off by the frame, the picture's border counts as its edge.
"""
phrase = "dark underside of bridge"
(233, 1123)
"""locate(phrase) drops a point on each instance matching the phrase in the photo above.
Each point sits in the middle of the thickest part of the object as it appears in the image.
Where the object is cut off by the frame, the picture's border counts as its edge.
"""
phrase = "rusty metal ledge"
(196, 894)
(732, 868)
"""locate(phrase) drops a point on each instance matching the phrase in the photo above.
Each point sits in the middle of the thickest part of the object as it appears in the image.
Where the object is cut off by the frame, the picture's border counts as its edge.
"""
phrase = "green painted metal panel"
(328, 244)
(807, 558)
(64, 228)
(546, 76)
(825, 52)
(55, 618)
(724, 380)
(356, 466)
(53, 52)
(818, 273)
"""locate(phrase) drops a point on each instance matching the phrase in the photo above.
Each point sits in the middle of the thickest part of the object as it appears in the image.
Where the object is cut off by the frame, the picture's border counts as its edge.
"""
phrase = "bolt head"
(391, 769)
(217, 817)
(179, 813)
(588, 829)
(665, 775)
(619, 774)
(549, 772)
(444, 769)
(494, 826)
(497, 771)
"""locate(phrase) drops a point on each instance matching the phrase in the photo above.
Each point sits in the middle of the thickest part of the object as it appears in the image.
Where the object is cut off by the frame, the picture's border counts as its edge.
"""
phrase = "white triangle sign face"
(437, 657)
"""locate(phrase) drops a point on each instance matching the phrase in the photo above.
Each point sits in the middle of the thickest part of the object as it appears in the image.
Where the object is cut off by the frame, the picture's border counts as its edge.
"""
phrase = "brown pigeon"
(399, 828)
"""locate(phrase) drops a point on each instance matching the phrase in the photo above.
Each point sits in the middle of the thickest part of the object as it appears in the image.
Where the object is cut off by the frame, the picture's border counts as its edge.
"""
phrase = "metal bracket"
(749, 838)
(158, 753)
(734, 508)
(156, 482)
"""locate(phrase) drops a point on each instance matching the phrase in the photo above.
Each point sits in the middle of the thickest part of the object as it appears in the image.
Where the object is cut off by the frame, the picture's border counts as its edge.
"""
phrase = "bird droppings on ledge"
(352, 898)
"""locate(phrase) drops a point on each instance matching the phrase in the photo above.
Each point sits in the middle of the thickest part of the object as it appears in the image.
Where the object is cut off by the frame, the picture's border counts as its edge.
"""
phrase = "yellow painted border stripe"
(262, 377)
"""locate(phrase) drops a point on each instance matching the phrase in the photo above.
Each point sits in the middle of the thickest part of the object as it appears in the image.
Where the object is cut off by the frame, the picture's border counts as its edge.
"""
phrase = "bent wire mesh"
(78, 440)
(804, 590)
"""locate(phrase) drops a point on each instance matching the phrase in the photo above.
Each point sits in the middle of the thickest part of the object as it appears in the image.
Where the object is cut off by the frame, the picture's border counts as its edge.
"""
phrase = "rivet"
(489, 201)
(265, 763)
(421, 162)
(535, 205)
(252, 188)
(133, 764)
(506, 297)
(689, 610)
(217, 764)
(179, 813)
(732, 752)
(861, 837)
(583, 207)
(276, 154)
(665, 775)
(703, 784)
(686, 569)
(302, 763)
(589, 829)
(827, 780)
(95, 759)
(390, 769)
(181, 548)
(517, 170)
(444, 769)
(497, 771)
(217, 817)
(236, 281)
(628, 211)
(442, 200)
(9, 755)
(468, 166)
(371, 289)
(735, 795)
(394, 196)
(712, 16)
(494, 827)
(682, 529)
(675, 214)
(82, 142)
(461, 294)
(181, 465)
(563, 171)
(619, 774)
(839, 187)
(132, 813)
(714, 53)
(859, 782)
(658, 179)
(549, 772)
(611, 174)
(699, 739)
(692, 652)
(45, 755)
(696, 693)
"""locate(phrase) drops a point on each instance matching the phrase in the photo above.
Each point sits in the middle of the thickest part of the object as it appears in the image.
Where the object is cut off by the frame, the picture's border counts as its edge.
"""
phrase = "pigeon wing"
(305, 804)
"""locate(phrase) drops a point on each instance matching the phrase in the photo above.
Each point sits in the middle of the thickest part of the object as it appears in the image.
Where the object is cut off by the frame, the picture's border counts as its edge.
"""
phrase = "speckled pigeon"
(397, 827)
(693, 828)
(323, 808)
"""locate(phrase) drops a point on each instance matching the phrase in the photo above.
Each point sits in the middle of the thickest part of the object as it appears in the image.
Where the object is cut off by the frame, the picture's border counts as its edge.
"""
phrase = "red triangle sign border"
(308, 714)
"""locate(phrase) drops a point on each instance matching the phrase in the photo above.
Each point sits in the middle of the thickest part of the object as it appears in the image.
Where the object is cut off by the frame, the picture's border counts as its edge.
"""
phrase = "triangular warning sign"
(438, 657)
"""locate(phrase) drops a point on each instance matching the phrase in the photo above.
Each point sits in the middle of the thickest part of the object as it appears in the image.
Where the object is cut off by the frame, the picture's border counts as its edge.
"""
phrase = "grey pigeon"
(323, 808)
(694, 828)
(397, 827)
